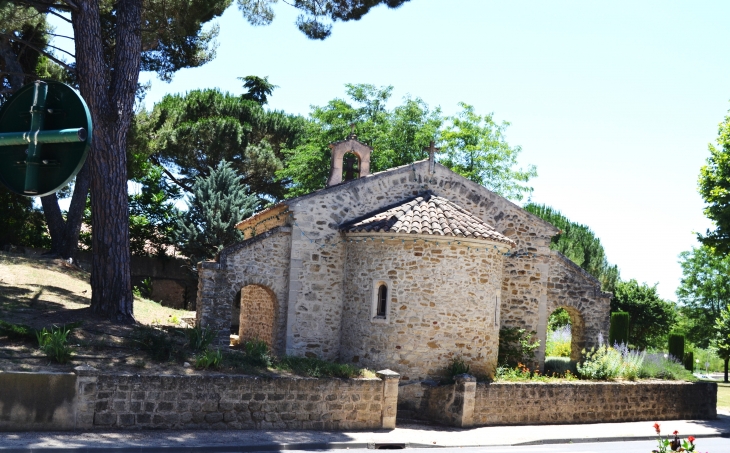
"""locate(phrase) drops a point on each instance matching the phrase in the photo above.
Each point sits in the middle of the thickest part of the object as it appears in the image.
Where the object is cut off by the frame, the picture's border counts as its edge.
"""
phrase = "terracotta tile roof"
(427, 214)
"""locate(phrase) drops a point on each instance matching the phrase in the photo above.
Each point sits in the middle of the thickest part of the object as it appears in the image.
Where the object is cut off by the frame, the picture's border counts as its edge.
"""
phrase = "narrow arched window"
(382, 301)
(350, 167)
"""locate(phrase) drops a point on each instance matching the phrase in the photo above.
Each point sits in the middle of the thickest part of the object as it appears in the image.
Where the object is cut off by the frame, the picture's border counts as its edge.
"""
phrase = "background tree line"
(114, 41)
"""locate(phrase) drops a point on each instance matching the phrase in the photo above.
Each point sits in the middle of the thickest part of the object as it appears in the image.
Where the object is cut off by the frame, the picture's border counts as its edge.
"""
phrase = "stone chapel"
(403, 269)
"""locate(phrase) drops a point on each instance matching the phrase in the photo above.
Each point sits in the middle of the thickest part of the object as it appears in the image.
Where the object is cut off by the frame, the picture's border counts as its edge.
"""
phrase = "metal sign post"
(45, 136)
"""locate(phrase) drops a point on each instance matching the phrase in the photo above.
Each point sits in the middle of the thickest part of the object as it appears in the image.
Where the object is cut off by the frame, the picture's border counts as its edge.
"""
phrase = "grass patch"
(306, 366)
(723, 395)
(150, 313)
(17, 331)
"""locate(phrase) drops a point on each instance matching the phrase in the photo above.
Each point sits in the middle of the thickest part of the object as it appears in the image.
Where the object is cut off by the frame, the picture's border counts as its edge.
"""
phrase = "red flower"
(691, 439)
(675, 432)
(656, 427)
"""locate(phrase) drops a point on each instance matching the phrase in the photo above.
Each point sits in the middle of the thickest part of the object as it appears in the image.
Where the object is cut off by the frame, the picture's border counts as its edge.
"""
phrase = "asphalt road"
(711, 445)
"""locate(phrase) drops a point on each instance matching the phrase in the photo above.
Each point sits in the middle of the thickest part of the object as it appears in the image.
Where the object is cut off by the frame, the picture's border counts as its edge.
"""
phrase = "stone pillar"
(390, 398)
(465, 391)
(213, 311)
(86, 378)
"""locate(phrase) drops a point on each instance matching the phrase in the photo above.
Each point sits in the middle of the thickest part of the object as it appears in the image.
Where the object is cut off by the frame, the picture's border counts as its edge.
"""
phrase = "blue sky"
(614, 102)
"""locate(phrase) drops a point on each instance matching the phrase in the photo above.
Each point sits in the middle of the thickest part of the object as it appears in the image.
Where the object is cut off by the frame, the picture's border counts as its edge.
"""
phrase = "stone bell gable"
(315, 276)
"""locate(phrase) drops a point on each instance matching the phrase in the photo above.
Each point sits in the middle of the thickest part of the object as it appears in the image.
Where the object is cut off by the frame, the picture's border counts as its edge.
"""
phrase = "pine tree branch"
(48, 6)
(170, 175)
(41, 51)
(60, 36)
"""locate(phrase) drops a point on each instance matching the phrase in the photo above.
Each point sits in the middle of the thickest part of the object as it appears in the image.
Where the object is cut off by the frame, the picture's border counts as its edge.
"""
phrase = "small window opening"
(382, 301)
(350, 167)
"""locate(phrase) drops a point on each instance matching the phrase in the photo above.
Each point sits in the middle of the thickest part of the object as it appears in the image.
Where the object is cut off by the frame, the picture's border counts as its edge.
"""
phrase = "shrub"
(676, 346)
(657, 366)
(208, 359)
(200, 338)
(689, 361)
(456, 367)
(157, 343)
(516, 346)
(601, 363)
(632, 361)
(559, 341)
(257, 353)
(558, 366)
(618, 331)
(54, 343)
(523, 373)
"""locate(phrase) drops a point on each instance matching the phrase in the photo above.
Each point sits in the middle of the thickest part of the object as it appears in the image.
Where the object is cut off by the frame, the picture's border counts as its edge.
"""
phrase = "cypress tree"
(618, 332)
(579, 244)
(219, 201)
(689, 361)
(676, 346)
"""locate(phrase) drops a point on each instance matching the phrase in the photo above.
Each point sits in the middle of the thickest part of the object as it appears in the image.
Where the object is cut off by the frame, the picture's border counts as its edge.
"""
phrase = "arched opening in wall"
(258, 315)
(235, 313)
(350, 167)
(564, 340)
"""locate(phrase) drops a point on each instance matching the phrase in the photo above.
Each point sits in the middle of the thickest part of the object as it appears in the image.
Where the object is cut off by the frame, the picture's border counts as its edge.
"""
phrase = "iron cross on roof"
(432, 150)
(44, 138)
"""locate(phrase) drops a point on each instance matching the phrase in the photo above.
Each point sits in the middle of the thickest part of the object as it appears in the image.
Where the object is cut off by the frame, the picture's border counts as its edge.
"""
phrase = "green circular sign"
(45, 135)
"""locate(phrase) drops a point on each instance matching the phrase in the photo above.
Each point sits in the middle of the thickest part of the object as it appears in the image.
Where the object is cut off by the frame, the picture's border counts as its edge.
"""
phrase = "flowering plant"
(666, 445)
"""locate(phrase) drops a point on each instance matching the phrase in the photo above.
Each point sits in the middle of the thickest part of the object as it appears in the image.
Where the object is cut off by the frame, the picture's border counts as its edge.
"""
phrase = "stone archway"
(578, 332)
(258, 314)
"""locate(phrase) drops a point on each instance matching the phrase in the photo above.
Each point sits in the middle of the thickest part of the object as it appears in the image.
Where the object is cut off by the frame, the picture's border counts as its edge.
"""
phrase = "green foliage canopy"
(189, 134)
(475, 145)
(650, 317)
(579, 244)
(20, 223)
(152, 214)
(477, 149)
(714, 187)
(721, 340)
(397, 136)
(219, 201)
(704, 291)
(317, 15)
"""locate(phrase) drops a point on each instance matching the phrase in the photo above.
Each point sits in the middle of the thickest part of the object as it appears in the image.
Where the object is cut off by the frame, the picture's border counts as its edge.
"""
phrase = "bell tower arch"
(350, 146)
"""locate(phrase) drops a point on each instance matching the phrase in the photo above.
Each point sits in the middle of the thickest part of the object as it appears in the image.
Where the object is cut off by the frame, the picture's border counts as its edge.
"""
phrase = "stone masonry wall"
(234, 402)
(318, 252)
(262, 260)
(572, 288)
(593, 402)
(441, 304)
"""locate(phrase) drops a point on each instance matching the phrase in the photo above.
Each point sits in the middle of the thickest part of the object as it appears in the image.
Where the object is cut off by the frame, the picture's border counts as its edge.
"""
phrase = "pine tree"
(219, 201)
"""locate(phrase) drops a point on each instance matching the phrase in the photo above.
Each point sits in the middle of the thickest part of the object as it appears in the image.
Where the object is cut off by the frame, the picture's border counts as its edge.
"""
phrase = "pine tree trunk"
(65, 233)
(726, 366)
(56, 223)
(75, 215)
(110, 96)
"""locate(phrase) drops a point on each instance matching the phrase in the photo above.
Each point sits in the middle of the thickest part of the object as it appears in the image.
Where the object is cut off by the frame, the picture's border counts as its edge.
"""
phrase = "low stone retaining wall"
(44, 401)
(467, 403)
(92, 400)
